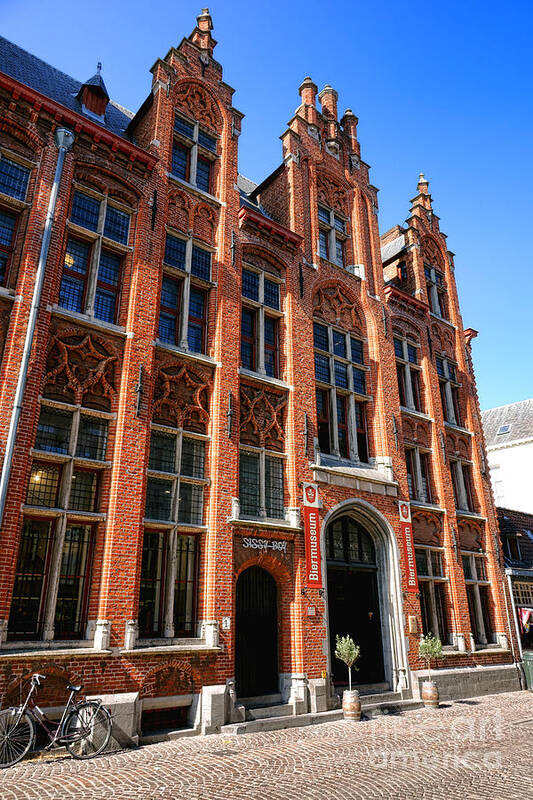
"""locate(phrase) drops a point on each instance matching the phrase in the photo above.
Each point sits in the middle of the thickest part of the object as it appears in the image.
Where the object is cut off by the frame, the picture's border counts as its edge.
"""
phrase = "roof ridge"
(507, 405)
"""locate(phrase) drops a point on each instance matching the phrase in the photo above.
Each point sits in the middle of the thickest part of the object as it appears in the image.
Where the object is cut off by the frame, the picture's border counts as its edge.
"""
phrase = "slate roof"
(246, 187)
(519, 416)
(521, 525)
(37, 74)
(393, 248)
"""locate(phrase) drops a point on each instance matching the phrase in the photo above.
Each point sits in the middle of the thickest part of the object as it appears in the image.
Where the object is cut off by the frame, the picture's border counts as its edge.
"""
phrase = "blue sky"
(443, 88)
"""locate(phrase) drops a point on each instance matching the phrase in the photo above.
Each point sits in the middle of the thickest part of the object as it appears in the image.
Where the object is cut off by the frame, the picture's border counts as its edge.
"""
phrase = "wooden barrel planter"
(351, 705)
(430, 694)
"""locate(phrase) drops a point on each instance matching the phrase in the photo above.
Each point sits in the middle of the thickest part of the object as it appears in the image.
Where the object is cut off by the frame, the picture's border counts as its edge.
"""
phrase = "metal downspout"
(64, 140)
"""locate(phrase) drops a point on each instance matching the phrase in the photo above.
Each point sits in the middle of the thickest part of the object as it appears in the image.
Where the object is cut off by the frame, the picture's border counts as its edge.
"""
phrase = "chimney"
(349, 125)
(201, 35)
(308, 91)
(423, 198)
(93, 95)
(328, 99)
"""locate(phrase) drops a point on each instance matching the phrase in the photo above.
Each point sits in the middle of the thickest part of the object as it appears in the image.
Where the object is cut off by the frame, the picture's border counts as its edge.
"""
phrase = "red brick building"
(204, 348)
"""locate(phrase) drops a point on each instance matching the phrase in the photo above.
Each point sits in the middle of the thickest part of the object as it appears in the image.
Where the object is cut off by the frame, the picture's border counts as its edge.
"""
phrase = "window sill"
(49, 649)
(458, 428)
(348, 269)
(199, 357)
(418, 414)
(463, 512)
(426, 506)
(64, 458)
(165, 524)
(357, 473)
(72, 513)
(9, 294)
(270, 524)
(18, 205)
(85, 319)
(443, 320)
(256, 376)
(188, 646)
(194, 189)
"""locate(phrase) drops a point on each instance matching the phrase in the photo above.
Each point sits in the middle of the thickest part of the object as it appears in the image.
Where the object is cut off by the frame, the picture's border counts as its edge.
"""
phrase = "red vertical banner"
(313, 567)
(406, 530)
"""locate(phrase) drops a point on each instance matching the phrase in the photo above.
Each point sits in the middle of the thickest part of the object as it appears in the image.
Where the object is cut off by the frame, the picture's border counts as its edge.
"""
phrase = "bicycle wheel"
(17, 735)
(87, 730)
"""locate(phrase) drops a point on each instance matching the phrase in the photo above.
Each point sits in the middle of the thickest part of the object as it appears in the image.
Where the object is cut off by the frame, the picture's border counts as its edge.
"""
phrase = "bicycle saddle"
(72, 688)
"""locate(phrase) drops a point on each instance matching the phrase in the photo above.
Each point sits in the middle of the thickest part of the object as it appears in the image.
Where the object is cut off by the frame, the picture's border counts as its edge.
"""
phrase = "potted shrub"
(347, 651)
(430, 648)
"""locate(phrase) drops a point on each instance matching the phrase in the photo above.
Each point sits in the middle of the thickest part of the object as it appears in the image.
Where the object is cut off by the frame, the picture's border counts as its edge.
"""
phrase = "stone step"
(278, 710)
(385, 697)
(260, 701)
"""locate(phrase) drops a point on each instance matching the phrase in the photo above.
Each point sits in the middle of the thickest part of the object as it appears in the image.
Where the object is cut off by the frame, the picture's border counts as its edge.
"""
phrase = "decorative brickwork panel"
(168, 680)
(181, 398)
(98, 178)
(427, 528)
(444, 340)
(432, 253)
(262, 418)
(331, 194)
(262, 260)
(179, 211)
(204, 222)
(334, 305)
(53, 690)
(80, 369)
(199, 104)
(471, 535)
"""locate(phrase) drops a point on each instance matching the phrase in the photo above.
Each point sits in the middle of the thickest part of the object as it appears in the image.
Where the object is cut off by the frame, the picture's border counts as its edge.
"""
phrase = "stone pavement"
(478, 748)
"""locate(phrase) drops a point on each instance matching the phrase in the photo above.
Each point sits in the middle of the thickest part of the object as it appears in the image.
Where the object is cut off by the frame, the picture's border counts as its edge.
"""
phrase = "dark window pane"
(451, 371)
(249, 484)
(7, 228)
(274, 487)
(13, 178)
(359, 381)
(185, 586)
(85, 211)
(92, 438)
(170, 293)
(248, 339)
(357, 351)
(467, 569)
(192, 458)
(109, 268)
(26, 606)
(203, 174)
(271, 294)
(322, 411)
(150, 595)
(412, 354)
(360, 426)
(323, 244)
(400, 374)
(44, 481)
(250, 284)
(191, 506)
(184, 127)
(339, 252)
(162, 452)
(195, 336)
(323, 214)
(247, 322)
(421, 561)
(3, 267)
(271, 347)
(340, 224)
(175, 251)
(341, 375)
(398, 348)
(158, 499)
(320, 336)
(71, 606)
(83, 491)
(104, 305)
(167, 328)
(440, 367)
(270, 331)
(339, 344)
(480, 569)
(322, 368)
(209, 142)
(201, 263)
(342, 429)
(117, 225)
(53, 430)
(71, 293)
(77, 256)
(180, 161)
(436, 564)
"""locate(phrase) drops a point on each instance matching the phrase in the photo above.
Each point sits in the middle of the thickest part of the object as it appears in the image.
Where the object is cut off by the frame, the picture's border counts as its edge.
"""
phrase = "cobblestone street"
(479, 748)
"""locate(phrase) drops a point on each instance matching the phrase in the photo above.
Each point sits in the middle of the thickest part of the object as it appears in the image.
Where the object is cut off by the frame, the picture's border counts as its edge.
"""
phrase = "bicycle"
(84, 727)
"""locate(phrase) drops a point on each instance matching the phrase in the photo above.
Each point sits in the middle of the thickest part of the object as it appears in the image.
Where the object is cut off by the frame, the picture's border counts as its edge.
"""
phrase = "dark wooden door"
(256, 634)
(354, 610)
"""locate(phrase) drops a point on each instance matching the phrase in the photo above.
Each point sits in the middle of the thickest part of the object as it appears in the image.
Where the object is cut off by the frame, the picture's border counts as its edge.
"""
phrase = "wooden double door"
(256, 633)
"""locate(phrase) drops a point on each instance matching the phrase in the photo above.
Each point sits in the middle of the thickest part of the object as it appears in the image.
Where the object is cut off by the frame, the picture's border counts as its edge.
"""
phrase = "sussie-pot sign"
(313, 571)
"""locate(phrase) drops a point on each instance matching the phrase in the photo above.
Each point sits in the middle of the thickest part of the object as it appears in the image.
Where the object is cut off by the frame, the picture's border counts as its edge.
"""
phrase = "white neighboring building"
(509, 440)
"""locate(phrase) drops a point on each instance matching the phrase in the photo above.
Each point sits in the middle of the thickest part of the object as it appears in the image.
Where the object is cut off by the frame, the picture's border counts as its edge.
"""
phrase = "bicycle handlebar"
(36, 678)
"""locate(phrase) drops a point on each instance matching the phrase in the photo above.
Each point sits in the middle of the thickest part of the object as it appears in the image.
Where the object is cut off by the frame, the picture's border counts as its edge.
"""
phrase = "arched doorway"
(353, 598)
(256, 633)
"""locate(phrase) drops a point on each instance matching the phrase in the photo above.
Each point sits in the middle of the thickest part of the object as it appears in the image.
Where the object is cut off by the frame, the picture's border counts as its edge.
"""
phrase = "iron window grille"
(183, 305)
(341, 393)
(478, 595)
(332, 236)
(176, 478)
(44, 485)
(433, 587)
(13, 178)
(8, 226)
(449, 390)
(436, 291)
(48, 602)
(168, 586)
(261, 484)
(92, 268)
(409, 374)
(194, 152)
(260, 323)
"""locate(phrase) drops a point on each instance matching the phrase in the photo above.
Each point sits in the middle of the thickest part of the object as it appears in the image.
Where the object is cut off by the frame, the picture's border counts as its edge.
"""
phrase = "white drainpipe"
(64, 140)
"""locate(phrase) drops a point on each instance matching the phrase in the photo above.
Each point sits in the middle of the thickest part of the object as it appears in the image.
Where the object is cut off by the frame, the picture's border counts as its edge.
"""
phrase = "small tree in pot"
(347, 651)
(430, 649)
